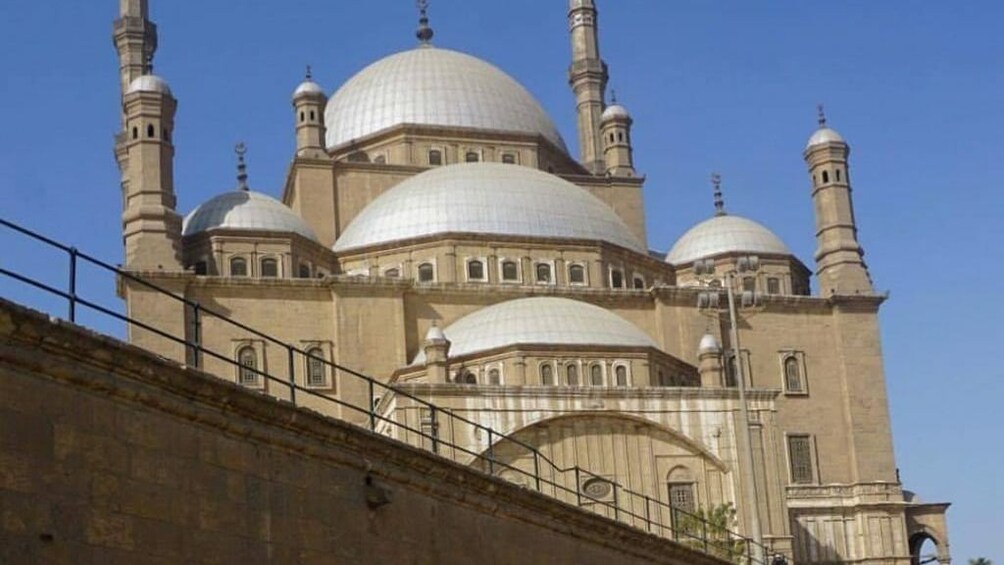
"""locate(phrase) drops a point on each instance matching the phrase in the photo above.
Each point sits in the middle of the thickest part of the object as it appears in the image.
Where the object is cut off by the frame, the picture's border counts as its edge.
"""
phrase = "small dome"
(437, 87)
(486, 198)
(245, 210)
(824, 135)
(149, 83)
(615, 111)
(307, 87)
(708, 344)
(541, 321)
(435, 333)
(725, 234)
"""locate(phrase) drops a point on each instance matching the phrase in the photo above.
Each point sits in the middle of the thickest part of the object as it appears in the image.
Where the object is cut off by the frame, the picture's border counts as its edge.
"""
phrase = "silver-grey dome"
(307, 87)
(149, 83)
(615, 111)
(245, 210)
(708, 344)
(433, 86)
(824, 135)
(540, 321)
(486, 198)
(725, 234)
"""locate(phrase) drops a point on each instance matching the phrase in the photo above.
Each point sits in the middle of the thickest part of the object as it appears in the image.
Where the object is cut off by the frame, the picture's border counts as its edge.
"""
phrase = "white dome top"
(486, 198)
(615, 111)
(824, 135)
(725, 234)
(432, 86)
(540, 320)
(307, 87)
(149, 83)
(708, 344)
(245, 210)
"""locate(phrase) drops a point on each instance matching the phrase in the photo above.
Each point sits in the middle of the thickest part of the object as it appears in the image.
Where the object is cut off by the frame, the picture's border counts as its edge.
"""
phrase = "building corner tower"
(588, 78)
(839, 257)
(151, 228)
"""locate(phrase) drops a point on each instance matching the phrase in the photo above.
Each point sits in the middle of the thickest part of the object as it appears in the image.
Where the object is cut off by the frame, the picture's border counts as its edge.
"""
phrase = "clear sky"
(916, 88)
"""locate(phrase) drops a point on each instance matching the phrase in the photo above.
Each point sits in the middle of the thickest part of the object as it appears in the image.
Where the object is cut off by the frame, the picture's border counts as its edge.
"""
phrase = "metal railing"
(591, 491)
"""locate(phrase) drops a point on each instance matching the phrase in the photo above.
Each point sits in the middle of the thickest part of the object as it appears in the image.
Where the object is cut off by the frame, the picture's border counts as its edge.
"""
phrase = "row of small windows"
(151, 132)
(825, 175)
(619, 137)
(792, 372)
(303, 116)
(436, 157)
(268, 267)
(571, 375)
(509, 271)
(249, 375)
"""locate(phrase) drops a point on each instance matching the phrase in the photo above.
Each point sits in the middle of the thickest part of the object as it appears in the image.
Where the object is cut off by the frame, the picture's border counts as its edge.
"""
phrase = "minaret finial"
(242, 168)
(716, 182)
(310, 73)
(148, 65)
(425, 32)
(613, 96)
(821, 115)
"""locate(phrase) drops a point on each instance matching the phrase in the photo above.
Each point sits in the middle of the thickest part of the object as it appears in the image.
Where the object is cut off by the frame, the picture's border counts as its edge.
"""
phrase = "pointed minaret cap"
(424, 33)
(242, 167)
(823, 134)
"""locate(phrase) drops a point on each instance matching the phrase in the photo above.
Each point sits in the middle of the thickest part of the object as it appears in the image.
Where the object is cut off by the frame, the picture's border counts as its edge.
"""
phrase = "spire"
(242, 168)
(310, 73)
(820, 116)
(425, 32)
(716, 182)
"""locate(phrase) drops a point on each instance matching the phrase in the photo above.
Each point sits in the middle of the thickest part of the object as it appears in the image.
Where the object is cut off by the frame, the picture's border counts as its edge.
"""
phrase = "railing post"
(434, 426)
(617, 506)
(491, 452)
(73, 284)
(704, 534)
(578, 487)
(372, 409)
(292, 374)
(196, 334)
(536, 468)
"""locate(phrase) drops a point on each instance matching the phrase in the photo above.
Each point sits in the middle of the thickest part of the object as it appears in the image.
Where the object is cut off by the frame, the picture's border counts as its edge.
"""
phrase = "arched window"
(577, 274)
(313, 116)
(639, 283)
(269, 268)
(247, 359)
(749, 284)
(620, 373)
(435, 157)
(150, 130)
(826, 177)
(572, 375)
(315, 367)
(469, 378)
(837, 172)
(620, 136)
(304, 271)
(495, 377)
(611, 137)
(773, 285)
(392, 273)
(380, 159)
(475, 270)
(616, 279)
(426, 272)
(546, 374)
(680, 484)
(543, 273)
(792, 375)
(303, 117)
(596, 375)
(508, 158)
(472, 157)
(730, 371)
(510, 271)
(238, 267)
(135, 132)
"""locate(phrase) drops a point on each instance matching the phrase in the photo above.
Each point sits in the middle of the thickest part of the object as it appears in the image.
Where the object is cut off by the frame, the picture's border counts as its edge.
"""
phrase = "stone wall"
(109, 454)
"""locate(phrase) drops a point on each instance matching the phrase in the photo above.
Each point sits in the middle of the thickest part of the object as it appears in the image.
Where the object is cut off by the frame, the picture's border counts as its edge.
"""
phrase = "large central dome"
(486, 198)
(432, 86)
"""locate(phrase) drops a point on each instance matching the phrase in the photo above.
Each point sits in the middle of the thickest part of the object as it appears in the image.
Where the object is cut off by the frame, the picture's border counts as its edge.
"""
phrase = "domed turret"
(308, 106)
(615, 134)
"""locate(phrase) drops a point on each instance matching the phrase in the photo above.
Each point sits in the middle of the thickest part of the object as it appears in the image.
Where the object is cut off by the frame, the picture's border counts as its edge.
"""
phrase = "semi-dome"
(245, 210)
(725, 234)
(824, 135)
(432, 86)
(540, 321)
(149, 83)
(486, 198)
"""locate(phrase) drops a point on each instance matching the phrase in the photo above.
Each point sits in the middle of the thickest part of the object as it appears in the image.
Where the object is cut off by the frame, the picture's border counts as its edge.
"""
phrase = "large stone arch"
(583, 450)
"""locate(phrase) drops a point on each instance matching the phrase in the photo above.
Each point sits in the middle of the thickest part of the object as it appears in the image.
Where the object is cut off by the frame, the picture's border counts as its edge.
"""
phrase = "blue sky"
(916, 87)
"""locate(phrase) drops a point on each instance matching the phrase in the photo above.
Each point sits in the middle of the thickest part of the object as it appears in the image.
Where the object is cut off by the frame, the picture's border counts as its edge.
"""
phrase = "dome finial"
(242, 168)
(716, 182)
(613, 96)
(820, 115)
(425, 32)
(310, 73)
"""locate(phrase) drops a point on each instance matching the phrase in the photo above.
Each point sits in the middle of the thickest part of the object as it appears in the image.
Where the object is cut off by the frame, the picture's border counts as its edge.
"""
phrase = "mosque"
(435, 233)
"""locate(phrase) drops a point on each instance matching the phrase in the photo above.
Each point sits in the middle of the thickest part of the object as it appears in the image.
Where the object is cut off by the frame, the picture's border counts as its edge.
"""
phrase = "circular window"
(596, 488)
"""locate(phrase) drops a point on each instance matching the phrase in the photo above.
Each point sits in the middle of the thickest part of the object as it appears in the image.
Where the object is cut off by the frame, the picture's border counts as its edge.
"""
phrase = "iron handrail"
(199, 312)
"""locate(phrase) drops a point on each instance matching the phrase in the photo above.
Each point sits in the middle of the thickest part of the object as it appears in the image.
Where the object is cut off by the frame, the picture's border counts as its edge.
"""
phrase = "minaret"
(308, 104)
(615, 133)
(151, 228)
(840, 265)
(588, 78)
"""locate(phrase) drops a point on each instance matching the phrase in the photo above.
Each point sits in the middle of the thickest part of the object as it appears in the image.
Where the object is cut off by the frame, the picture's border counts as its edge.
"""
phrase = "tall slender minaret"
(151, 229)
(840, 264)
(588, 78)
